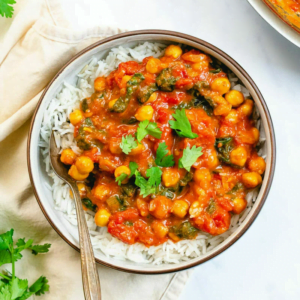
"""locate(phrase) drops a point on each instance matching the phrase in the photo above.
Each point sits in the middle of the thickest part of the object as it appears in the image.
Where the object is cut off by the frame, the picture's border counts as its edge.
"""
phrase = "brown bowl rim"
(264, 106)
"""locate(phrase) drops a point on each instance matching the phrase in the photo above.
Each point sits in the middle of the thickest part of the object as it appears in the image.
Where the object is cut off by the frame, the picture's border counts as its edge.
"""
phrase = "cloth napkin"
(33, 47)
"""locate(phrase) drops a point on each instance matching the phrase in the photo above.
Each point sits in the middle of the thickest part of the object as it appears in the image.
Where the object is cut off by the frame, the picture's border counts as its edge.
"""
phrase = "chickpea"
(249, 137)
(255, 133)
(222, 109)
(170, 177)
(153, 97)
(251, 179)
(76, 117)
(212, 160)
(159, 229)
(203, 178)
(144, 113)
(238, 156)
(257, 164)
(124, 81)
(101, 192)
(114, 146)
(122, 170)
(111, 103)
(142, 206)
(246, 108)
(180, 208)
(106, 164)
(84, 164)
(102, 217)
(232, 117)
(221, 85)
(239, 204)
(235, 98)
(137, 150)
(74, 173)
(99, 84)
(160, 207)
(68, 157)
(173, 50)
(153, 65)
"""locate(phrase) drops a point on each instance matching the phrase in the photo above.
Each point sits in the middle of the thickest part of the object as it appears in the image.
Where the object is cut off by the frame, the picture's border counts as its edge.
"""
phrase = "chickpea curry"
(168, 149)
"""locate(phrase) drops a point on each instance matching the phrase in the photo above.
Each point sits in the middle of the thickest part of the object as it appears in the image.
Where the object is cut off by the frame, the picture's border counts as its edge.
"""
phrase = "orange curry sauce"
(184, 201)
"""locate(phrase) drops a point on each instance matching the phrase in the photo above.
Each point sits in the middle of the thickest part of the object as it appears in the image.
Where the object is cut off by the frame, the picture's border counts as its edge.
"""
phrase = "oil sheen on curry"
(168, 149)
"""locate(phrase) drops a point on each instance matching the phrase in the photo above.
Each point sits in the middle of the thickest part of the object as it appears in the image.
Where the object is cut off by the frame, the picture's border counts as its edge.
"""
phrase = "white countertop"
(265, 263)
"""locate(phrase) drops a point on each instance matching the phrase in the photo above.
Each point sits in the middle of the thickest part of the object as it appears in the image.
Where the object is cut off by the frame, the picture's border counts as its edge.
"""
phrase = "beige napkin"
(33, 47)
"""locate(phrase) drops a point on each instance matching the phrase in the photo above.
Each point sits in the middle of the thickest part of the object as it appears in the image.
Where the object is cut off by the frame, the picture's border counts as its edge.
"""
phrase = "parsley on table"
(133, 166)
(12, 287)
(6, 9)
(182, 125)
(128, 143)
(190, 156)
(149, 186)
(162, 159)
(147, 127)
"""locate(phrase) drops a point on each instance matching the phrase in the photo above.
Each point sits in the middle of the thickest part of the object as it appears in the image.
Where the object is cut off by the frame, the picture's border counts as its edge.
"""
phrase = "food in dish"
(209, 120)
(287, 10)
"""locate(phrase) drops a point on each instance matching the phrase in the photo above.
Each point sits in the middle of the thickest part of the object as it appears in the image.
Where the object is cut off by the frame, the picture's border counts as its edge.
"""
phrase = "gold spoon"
(90, 279)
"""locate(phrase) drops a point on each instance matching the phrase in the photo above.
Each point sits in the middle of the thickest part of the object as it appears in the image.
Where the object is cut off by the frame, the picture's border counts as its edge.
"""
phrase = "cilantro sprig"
(12, 287)
(147, 127)
(133, 166)
(6, 9)
(182, 125)
(128, 143)
(190, 156)
(149, 186)
(162, 159)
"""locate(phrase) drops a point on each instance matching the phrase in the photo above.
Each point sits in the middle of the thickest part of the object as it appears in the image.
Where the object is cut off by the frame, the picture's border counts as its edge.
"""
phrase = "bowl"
(275, 21)
(36, 166)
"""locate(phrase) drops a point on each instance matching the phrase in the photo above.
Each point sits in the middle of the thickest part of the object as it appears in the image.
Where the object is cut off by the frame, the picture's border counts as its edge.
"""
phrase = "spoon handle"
(90, 278)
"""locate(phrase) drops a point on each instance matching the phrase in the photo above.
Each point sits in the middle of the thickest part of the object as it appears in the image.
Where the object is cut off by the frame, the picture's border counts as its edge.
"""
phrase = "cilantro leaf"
(5, 257)
(182, 125)
(133, 166)
(18, 287)
(5, 293)
(34, 248)
(40, 286)
(120, 178)
(128, 143)
(6, 9)
(148, 187)
(154, 175)
(162, 159)
(6, 241)
(147, 127)
(190, 156)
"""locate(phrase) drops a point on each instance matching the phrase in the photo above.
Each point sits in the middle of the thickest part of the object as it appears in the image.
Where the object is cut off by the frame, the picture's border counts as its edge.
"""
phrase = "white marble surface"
(265, 263)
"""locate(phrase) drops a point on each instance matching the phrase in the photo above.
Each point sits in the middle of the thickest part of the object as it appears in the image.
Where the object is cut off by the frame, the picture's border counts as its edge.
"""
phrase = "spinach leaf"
(145, 92)
(211, 208)
(224, 146)
(165, 80)
(84, 105)
(216, 71)
(89, 204)
(184, 230)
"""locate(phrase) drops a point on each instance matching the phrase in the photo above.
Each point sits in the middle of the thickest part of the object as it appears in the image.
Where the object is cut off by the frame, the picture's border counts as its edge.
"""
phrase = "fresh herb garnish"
(128, 143)
(133, 166)
(120, 178)
(162, 159)
(6, 9)
(182, 125)
(147, 127)
(12, 287)
(149, 186)
(190, 156)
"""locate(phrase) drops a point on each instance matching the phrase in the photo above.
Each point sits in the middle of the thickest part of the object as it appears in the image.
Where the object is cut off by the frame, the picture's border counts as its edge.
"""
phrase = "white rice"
(55, 118)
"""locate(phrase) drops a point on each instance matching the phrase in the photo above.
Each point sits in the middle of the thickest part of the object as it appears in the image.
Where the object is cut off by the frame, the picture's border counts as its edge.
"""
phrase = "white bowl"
(68, 73)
